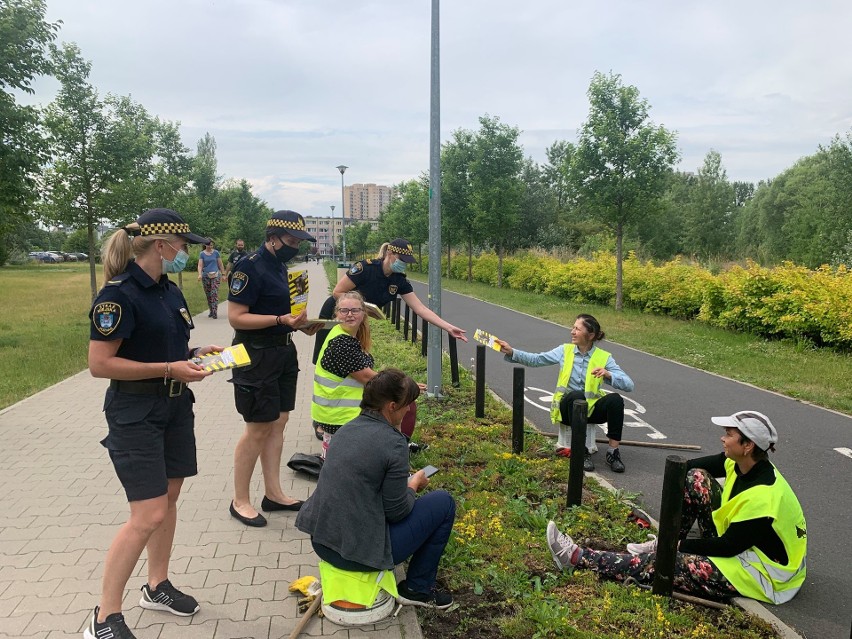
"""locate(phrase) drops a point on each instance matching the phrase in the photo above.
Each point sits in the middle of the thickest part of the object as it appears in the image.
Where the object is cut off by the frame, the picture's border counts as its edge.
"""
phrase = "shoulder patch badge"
(238, 282)
(186, 317)
(392, 289)
(106, 317)
(356, 268)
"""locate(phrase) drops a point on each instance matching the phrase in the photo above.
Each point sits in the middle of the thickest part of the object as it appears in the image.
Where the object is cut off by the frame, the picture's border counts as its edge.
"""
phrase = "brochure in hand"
(298, 282)
(326, 323)
(374, 311)
(232, 357)
(486, 338)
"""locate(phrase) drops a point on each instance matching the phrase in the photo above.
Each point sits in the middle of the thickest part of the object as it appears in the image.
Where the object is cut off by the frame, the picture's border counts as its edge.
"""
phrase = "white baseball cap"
(756, 426)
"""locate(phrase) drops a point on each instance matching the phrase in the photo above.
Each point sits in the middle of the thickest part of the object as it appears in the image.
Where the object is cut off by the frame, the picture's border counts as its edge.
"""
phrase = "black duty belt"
(172, 388)
(263, 341)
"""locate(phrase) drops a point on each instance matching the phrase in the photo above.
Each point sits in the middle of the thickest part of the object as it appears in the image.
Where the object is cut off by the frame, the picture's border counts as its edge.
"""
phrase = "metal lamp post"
(342, 170)
(332, 233)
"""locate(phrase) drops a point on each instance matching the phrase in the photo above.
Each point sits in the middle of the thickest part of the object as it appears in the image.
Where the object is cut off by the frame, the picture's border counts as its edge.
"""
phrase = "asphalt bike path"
(673, 404)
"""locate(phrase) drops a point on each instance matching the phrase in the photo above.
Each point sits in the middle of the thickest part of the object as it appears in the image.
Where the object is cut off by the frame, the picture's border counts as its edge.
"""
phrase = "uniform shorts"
(267, 387)
(151, 440)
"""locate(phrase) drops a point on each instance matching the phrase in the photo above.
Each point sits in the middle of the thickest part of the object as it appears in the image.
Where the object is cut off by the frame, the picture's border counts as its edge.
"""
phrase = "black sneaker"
(168, 598)
(437, 599)
(113, 627)
(613, 458)
(588, 464)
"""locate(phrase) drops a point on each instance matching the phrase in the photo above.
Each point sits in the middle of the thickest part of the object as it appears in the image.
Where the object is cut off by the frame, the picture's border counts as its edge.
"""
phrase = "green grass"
(44, 324)
(819, 376)
(497, 563)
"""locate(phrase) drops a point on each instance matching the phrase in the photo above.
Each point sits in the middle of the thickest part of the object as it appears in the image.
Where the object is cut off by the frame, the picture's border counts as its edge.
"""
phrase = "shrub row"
(786, 302)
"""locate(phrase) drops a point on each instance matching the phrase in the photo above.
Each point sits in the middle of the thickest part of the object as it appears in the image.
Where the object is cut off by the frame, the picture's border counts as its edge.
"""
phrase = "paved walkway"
(62, 505)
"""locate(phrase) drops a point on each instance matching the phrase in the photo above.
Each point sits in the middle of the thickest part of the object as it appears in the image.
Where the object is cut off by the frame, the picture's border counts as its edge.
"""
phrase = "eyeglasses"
(349, 311)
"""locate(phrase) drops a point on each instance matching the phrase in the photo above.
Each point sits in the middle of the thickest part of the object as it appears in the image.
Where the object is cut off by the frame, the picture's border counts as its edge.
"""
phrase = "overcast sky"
(292, 88)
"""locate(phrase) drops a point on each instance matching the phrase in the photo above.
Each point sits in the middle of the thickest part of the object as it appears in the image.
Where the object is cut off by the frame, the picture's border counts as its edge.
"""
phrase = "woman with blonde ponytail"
(139, 340)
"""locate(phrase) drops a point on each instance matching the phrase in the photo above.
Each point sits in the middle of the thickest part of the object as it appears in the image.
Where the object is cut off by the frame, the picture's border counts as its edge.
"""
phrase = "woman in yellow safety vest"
(584, 367)
(754, 538)
(343, 367)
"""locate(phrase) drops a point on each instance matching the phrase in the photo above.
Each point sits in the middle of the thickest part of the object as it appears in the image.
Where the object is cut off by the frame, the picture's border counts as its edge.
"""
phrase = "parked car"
(56, 256)
(69, 257)
(43, 256)
(81, 257)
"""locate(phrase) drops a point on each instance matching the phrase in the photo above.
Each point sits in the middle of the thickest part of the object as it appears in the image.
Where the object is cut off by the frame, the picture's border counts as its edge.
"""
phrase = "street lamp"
(342, 170)
(332, 233)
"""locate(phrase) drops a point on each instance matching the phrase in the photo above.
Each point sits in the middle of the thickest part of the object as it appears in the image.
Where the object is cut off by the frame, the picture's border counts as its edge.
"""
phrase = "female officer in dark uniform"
(139, 340)
(379, 281)
(265, 391)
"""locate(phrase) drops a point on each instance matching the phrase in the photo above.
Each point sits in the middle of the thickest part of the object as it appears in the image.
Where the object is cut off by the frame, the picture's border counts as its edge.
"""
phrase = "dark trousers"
(608, 409)
(326, 312)
(422, 535)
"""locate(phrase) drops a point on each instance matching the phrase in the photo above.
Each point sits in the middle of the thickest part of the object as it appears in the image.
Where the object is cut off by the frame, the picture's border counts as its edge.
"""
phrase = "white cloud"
(290, 89)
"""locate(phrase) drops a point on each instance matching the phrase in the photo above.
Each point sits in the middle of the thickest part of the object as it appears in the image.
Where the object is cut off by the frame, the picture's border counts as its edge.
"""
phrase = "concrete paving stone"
(34, 588)
(10, 573)
(13, 546)
(62, 532)
(59, 634)
(65, 521)
(82, 571)
(235, 611)
(81, 601)
(159, 618)
(7, 605)
(282, 627)
(388, 629)
(47, 621)
(193, 550)
(232, 536)
(264, 592)
(238, 548)
(61, 558)
(45, 604)
(288, 574)
(280, 608)
(47, 545)
(257, 629)
(17, 560)
(224, 564)
(17, 520)
(20, 534)
(252, 561)
(38, 635)
(79, 585)
(15, 626)
(151, 632)
(209, 596)
(216, 577)
(3, 586)
(291, 546)
(204, 630)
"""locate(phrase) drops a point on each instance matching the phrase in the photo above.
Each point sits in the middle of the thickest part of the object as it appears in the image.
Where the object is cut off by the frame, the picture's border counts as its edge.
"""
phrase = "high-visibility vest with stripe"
(752, 573)
(592, 388)
(356, 587)
(336, 400)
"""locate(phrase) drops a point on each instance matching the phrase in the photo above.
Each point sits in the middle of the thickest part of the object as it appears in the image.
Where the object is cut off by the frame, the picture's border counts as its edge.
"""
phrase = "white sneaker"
(643, 548)
(564, 551)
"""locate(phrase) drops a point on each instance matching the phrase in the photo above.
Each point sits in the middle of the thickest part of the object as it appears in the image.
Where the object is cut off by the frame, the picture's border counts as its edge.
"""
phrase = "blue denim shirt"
(620, 380)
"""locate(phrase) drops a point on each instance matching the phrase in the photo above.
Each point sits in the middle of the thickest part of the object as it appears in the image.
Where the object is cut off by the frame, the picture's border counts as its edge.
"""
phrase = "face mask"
(176, 265)
(286, 253)
(398, 266)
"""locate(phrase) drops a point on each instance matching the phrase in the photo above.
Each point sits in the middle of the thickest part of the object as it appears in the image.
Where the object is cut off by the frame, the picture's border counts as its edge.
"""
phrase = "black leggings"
(609, 409)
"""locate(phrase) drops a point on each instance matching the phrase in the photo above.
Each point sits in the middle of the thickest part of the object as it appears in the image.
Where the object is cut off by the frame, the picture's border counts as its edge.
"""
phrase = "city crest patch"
(106, 317)
(356, 268)
(392, 289)
(238, 282)
(186, 317)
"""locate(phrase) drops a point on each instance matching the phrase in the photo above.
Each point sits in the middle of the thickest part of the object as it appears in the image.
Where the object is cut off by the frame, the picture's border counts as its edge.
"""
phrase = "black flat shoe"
(256, 522)
(318, 432)
(268, 505)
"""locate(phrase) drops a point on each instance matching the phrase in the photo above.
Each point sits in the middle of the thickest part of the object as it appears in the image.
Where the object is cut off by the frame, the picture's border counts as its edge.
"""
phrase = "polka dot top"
(343, 356)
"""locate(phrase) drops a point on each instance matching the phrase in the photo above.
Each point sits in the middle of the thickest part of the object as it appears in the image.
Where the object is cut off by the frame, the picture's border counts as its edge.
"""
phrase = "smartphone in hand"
(430, 470)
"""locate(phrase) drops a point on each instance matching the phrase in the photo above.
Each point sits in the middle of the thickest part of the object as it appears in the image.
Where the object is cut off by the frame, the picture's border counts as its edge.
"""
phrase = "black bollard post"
(424, 338)
(413, 327)
(518, 410)
(579, 419)
(671, 509)
(388, 310)
(405, 324)
(454, 361)
(396, 304)
(480, 381)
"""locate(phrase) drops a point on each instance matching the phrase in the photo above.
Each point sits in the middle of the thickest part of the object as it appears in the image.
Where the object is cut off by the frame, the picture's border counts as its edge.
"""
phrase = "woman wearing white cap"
(753, 532)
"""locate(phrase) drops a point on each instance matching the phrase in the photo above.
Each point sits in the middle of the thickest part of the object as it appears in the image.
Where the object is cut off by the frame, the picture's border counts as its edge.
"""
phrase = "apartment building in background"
(365, 201)
(329, 231)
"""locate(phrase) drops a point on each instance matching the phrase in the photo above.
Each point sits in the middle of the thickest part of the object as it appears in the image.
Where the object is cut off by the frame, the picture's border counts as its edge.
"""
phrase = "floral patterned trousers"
(211, 290)
(694, 574)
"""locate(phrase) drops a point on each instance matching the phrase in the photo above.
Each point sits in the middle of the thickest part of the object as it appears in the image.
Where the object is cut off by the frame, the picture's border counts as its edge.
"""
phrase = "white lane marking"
(845, 451)
(541, 399)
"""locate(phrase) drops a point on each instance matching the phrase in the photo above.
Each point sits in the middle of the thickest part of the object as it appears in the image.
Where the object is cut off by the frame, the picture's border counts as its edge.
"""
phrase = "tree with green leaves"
(496, 185)
(24, 40)
(709, 217)
(407, 215)
(457, 212)
(621, 162)
(357, 236)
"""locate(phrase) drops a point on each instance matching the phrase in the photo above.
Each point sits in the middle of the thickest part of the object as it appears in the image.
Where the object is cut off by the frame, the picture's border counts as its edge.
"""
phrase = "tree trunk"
(500, 266)
(619, 246)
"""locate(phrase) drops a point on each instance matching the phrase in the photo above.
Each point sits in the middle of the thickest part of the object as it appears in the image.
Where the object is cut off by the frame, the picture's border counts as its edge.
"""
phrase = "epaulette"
(118, 279)
(253, 257)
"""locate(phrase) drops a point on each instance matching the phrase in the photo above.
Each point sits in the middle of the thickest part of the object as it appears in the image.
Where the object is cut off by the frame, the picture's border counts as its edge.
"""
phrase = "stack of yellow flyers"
(232, 357)
(298, 282)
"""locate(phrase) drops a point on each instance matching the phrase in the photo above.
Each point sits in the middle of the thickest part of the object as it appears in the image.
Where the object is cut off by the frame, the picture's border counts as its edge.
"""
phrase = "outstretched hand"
(504, 347)
(458, 333)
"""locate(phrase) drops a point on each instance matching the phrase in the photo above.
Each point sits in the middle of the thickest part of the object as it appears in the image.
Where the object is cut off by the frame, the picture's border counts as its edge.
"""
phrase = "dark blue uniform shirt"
(260, 282)
(150, 317)
(376, 287)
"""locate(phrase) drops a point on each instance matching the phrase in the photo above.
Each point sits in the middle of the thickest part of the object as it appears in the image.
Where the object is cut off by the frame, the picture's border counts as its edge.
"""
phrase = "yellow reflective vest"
(357, 587)
(592, 388)
(336, 400)
(752, 573)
